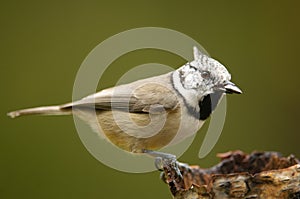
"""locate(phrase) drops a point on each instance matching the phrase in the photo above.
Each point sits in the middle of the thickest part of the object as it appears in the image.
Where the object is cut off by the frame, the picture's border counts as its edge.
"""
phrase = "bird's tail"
(44, 110)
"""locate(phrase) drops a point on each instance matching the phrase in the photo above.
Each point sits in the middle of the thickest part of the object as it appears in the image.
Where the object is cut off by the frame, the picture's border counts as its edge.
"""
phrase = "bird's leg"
(158, 154)
(163, 160)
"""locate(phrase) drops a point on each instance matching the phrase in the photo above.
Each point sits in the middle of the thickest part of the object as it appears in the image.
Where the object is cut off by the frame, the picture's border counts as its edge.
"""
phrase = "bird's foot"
(165, 161)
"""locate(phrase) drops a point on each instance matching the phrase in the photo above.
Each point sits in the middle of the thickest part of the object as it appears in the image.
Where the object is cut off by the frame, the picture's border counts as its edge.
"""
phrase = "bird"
(149, 114)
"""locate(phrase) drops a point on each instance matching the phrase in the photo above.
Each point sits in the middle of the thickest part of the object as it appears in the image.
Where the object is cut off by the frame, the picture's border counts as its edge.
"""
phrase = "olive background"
(43, 44)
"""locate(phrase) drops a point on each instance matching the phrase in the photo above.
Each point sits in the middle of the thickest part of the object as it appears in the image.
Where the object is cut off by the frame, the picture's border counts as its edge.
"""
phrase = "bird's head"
(206, 75)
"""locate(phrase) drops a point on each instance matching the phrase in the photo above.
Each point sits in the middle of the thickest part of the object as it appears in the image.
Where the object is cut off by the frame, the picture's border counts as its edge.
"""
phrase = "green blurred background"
(44, 43)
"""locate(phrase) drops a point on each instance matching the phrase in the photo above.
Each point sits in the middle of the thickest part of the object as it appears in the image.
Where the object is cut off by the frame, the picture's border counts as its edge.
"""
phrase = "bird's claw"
(165, 161)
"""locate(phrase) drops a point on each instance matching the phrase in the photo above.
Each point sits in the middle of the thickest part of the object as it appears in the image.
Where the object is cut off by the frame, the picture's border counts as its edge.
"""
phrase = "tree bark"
(238, 175)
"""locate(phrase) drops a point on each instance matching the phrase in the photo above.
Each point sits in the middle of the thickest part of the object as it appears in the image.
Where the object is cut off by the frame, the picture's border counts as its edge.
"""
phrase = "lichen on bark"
(238, 175)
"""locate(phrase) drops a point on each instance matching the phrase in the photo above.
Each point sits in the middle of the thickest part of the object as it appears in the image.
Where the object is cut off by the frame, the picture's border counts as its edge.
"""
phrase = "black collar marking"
(208, 104)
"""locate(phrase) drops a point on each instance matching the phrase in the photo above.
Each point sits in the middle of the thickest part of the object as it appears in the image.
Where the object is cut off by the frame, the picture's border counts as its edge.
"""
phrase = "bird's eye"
(205, 74)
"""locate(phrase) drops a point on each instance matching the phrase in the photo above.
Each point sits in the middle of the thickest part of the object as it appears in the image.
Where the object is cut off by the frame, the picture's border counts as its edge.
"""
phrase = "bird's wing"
(132, 97)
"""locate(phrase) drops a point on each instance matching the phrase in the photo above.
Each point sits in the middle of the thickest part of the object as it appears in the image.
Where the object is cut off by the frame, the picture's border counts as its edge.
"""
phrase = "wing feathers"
(139, 98)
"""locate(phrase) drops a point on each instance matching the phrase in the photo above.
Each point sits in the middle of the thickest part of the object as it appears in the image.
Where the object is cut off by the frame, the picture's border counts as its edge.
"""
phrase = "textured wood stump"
(238, 175)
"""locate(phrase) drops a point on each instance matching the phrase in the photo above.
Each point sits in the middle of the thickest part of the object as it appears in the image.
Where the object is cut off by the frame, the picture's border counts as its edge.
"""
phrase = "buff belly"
(137, 131)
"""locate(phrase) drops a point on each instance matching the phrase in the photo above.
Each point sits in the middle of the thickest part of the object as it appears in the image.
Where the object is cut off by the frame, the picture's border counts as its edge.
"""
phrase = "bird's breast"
(137, 131)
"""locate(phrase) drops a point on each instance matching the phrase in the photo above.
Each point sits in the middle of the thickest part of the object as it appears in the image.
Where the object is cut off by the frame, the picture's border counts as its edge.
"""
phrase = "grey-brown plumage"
(153, 112)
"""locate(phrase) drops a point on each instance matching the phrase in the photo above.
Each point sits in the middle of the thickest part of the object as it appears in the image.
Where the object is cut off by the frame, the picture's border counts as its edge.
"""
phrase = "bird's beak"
(231, 88)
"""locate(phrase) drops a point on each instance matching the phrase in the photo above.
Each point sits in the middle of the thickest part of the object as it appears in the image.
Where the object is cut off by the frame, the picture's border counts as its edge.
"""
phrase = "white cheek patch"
(192, 80)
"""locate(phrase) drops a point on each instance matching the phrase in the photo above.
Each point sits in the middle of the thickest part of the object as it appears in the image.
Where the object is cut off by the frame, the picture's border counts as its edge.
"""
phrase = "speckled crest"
(203, 73)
